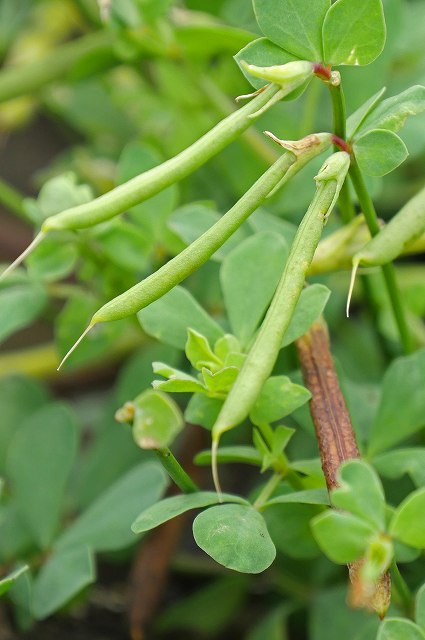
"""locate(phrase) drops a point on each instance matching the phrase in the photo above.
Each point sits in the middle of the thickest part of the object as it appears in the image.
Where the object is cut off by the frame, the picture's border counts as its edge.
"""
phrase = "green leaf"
(273, 625)
(379, 152)
(58, 193)
(394, 464)
(399, 629)
(168, 318)
(71, 322)
(294, 25)
(192, 220)
(65, 574)
(235, 536)
(262, 53)
(43, 449)
(19, 398)
(157, 420)
(408, 521)
(310, 306)
(341, 536)
(150, 216)
(208, 40)
(261, 220)
(52, 260)
(220, 383)
(360, 492)
(19, 306)
(242, 453)
(309, 496)
(290, 529)
(15, 538)
(172, 507)
(420, 608)
(354, 32)
(199, 352)
(392, 113)
(330, 604)
(125, 245)
(179, 385)
(8, 581)
(278, 398)
(106, 524)
(402, 407)
(203, 410)
(208, 610)
(227, 347)
(21, 596)
(249, 277)
(355, 121)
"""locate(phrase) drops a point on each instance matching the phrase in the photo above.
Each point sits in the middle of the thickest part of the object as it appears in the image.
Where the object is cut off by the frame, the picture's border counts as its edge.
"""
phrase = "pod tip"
(351, 288)
(75, 345)
(38, 238)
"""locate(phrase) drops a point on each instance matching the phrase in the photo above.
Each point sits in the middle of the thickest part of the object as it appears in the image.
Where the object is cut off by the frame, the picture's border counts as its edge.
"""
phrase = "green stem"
(155, 180)
(267, 491)
(263, 353)
(12, 200)
(368, 209)
(403, 592)
(21, 80)
(176, 471)
(339, 110)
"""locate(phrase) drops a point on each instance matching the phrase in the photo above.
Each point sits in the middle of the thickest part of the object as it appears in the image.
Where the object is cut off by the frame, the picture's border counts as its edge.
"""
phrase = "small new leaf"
(199, 352)
(157, 420)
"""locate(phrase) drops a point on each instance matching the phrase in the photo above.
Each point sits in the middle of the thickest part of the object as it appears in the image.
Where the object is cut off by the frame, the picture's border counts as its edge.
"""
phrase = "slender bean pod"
(262, 356)
(151, 182)
(197, 253)
(403, 230)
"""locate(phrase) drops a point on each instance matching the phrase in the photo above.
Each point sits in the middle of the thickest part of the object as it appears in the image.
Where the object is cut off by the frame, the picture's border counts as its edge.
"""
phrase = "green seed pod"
(402, 230)
(154, 180)
(262, 356)
(197, 253)
(290, 75)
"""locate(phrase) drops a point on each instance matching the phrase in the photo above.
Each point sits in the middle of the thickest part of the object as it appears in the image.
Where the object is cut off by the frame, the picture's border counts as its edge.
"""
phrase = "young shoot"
(262, 356)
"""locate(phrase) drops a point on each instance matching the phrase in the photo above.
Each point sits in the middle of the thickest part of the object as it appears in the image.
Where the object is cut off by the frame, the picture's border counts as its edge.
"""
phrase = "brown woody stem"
(331, 419)
(337, 443)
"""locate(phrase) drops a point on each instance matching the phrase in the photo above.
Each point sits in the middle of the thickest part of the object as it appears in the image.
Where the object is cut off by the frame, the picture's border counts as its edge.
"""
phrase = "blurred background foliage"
(87, 101)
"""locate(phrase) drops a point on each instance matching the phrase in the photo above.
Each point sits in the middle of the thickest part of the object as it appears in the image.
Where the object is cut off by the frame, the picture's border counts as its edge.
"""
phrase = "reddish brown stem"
(337, 443)
(331, 419)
